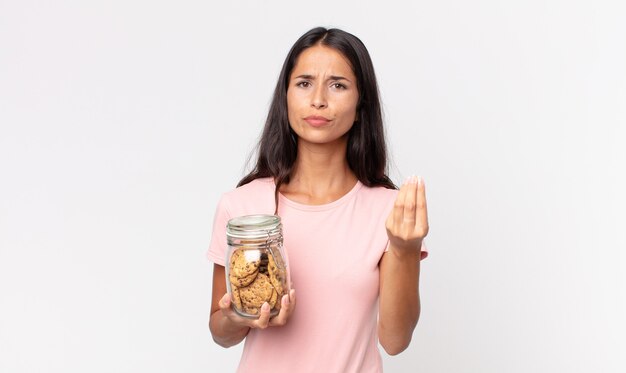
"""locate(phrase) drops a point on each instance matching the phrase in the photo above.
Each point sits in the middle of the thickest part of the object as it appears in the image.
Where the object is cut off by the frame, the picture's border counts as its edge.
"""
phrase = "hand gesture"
(407, 224)
(288, 304)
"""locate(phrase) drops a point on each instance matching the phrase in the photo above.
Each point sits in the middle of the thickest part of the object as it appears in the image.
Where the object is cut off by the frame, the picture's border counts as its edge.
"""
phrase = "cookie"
(251, 310)
(242, 281)
(276, 275)
(257, 293)
(235, 297)
(273, 299)
(243, 263)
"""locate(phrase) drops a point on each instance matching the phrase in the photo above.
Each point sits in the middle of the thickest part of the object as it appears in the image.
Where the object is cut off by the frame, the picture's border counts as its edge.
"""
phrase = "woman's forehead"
(320, 59)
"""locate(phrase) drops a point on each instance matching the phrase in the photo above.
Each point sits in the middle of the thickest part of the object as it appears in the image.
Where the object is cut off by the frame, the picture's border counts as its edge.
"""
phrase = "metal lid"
(253, 226)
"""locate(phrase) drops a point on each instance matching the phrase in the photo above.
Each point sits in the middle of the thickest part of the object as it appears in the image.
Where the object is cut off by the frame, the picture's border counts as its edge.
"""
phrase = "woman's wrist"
(232, 327)
(225, 331)
(406, 253)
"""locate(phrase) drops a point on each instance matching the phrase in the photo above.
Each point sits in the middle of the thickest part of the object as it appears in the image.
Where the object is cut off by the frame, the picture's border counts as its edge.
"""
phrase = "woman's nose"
(318, 100)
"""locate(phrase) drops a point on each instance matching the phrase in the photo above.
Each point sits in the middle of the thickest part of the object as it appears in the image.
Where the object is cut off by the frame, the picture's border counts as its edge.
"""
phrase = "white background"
(122, 122)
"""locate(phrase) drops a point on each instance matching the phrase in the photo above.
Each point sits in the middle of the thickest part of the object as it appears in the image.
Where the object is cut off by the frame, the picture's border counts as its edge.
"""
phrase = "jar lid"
(253, 226)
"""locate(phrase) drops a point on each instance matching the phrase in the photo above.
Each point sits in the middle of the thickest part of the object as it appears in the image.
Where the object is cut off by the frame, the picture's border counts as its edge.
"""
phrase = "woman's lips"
(317, 121)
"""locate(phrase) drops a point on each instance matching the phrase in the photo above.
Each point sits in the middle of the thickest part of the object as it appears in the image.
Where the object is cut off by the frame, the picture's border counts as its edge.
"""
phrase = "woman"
(354, 241)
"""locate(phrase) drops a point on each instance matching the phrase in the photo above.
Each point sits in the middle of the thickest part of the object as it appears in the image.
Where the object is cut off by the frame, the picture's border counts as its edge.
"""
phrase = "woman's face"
(322, 96)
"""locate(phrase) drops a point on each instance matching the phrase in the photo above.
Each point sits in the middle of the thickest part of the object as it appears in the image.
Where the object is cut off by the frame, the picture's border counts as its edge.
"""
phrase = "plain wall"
(122, 122)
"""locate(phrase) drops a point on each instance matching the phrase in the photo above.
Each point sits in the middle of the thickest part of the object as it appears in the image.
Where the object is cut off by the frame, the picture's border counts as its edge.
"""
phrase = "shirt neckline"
(327, 206)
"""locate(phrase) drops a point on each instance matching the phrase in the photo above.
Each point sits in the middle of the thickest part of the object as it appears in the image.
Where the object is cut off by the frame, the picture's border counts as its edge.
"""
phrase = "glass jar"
(256, 264)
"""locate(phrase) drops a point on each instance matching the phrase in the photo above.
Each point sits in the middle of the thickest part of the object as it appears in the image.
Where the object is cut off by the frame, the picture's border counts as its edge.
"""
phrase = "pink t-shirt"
(333, 252)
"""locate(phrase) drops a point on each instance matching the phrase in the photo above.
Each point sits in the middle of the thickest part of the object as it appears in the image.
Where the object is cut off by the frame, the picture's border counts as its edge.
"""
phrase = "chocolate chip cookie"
(276, 275)
(256, 277)
(243, 263)
(257, 293)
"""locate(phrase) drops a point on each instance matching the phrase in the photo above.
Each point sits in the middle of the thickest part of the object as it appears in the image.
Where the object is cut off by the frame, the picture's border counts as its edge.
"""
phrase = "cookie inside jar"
(256, 270)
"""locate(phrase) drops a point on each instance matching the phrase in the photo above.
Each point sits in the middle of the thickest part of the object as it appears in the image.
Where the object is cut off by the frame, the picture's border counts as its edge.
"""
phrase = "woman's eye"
(303, 84)
(338, 86)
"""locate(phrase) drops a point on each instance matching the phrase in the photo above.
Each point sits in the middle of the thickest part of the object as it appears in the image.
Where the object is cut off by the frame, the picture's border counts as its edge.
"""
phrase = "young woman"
(354, 241)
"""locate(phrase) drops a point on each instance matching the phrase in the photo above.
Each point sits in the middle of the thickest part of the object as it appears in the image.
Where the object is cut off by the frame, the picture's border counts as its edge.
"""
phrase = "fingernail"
(265, 307)
(407, 180)
(414, 179)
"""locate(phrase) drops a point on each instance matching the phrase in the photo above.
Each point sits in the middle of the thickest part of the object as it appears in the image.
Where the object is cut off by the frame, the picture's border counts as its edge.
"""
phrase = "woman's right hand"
(288, 304)
(227, 327)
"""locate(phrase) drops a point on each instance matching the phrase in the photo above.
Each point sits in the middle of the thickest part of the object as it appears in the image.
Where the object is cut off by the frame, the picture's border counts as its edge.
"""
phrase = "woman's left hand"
(407, 224)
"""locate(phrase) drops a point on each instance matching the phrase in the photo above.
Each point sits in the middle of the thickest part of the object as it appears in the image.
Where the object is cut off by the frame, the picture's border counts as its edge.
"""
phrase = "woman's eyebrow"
(304, 76)
(311, 77)
(337, 77)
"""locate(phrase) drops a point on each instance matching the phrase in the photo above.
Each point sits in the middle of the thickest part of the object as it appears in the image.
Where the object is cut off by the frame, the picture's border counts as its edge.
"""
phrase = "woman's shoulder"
(378, 196)
(379, 191)
(255, 186)
(255, 195)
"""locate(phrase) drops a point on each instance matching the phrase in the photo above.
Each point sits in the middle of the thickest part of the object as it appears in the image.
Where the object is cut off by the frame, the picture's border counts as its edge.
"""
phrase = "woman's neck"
(321, 175)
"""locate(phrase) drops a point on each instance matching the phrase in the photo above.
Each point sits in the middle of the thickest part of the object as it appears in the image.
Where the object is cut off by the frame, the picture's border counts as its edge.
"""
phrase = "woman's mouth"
(316, 120)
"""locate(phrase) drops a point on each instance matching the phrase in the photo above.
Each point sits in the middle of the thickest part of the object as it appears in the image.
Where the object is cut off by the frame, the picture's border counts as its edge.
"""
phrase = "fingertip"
(264, 317)
(225, 301)
(410, 180)
(289, 298)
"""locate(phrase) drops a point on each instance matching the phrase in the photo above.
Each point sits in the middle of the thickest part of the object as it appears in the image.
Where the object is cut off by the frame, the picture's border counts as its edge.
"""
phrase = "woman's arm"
(228, 328)
(224, 332)
(399, 310)
(399, 300)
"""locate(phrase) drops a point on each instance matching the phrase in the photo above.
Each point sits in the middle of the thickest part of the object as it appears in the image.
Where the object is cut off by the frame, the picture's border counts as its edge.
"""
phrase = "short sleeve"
(218, 245)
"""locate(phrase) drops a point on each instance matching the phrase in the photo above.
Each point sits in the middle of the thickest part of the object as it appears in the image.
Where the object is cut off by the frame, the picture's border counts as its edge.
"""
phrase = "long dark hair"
(366, 151)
